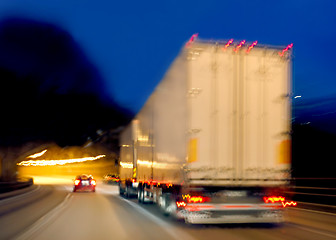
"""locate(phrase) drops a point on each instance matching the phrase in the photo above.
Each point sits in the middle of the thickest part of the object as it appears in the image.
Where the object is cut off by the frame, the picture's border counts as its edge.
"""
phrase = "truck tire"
(167, 203)
(146, 197)
(121, 191)
(127, 192)
(140, 195)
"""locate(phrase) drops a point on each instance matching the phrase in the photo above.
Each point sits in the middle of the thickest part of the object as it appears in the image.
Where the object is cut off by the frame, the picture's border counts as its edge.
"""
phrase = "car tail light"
(77, 182)
(93, 182)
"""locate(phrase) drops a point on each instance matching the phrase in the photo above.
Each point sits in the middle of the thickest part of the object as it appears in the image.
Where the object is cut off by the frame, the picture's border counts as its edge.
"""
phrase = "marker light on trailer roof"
(227, 44)
(251, 46)
(192, 39)
(239, 45)
(285, 50)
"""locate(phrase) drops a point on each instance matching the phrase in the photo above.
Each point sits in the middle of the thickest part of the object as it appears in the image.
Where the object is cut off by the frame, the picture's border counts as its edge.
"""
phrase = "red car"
(85, 182)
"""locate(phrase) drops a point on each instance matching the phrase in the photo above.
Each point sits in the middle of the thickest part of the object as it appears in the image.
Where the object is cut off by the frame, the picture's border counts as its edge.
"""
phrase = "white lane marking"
(313, 231)
(44, 220)
(19, 196)
(171, 230)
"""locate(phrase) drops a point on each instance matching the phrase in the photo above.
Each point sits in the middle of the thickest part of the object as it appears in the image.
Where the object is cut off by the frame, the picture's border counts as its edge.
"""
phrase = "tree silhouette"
(50, 92)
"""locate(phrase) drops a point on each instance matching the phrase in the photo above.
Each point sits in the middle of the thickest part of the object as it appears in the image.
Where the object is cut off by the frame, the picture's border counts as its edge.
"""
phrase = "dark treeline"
(50, 91)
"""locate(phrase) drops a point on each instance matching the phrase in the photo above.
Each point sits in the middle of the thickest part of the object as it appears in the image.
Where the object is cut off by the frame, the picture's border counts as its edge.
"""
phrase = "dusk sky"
(132, 43)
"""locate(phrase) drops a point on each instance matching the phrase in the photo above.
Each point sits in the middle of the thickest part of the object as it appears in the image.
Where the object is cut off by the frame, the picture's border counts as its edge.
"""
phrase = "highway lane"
(19, 212)
(106, 215)
(300, 224)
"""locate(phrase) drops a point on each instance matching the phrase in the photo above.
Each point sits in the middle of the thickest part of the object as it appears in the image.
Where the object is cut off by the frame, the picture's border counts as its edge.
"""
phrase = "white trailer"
(212, 142)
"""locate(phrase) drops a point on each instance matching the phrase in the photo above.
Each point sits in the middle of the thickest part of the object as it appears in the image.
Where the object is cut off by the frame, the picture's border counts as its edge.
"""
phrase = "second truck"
(212, 143)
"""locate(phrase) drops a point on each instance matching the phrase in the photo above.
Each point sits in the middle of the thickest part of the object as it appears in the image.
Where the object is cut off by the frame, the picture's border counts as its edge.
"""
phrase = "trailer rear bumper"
(223, 216)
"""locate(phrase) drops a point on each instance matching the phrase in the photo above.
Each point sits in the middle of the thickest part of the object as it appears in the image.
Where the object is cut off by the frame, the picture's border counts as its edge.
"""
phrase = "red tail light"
(239, 45)
(284, 204)
(274, 199)
(188, 200)
(198, 199)
(195, 199)
(278, 199)
(93, 182)
(252, 46)
(181, 204)
(227, 45)
(77, 182)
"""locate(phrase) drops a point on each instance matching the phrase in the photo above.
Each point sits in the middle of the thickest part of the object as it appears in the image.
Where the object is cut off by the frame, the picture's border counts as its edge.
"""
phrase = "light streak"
(251, 46)
(284, 204)
(197, 199)
(281, 199)
(192, 39)
(181, 204)
(239, 45)
(281, 54)
(194, 208)
(274, 199)
(194, 199)
(126, 165)
(227, 44)
(184, 196)
(57, 162)
(156, 164)
(36, 155)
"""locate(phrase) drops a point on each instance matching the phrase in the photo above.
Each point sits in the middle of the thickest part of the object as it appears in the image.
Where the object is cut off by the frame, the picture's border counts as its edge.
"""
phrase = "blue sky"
(132, 43)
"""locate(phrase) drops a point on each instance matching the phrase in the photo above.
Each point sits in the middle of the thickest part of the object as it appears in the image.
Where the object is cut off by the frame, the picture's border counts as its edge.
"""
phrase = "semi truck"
(212, 143)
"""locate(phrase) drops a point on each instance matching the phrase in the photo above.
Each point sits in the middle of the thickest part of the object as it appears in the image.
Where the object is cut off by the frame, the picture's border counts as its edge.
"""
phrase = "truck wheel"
(127, 192)
(121, 191)
(146, 198)
(167, 204)
(140, 195)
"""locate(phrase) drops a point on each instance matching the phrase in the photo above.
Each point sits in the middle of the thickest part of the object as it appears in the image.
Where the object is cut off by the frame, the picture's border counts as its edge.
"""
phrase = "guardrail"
(314, 193)
(15, 185)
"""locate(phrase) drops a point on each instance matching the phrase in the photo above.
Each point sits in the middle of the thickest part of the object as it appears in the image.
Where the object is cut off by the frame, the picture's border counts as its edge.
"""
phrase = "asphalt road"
(54, 212)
